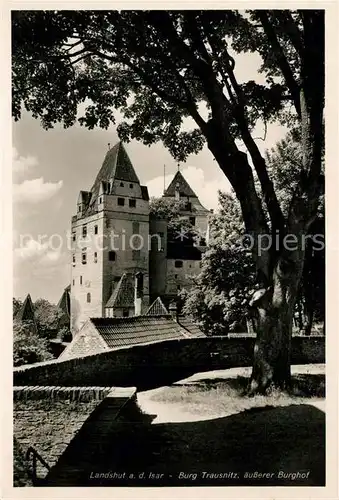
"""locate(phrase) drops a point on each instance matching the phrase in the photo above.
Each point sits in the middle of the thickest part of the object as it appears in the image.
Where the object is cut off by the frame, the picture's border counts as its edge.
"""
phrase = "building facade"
(122, 258)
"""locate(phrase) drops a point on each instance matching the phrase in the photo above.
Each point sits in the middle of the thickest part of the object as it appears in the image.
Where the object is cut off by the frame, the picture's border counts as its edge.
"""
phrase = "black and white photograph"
(168, 214)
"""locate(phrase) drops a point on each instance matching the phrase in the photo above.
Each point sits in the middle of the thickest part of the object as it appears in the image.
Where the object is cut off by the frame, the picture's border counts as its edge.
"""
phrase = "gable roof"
(86, 342)
(116, 165)
(190, 326)
(26, 312)
(183, 186)
(123, 293)
(120, 332)
(157, 308)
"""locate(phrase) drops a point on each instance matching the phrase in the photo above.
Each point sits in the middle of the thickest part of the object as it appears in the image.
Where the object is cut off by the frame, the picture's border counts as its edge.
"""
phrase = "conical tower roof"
(179, 182)
(116, 165)
(26, 312)
(64, 302)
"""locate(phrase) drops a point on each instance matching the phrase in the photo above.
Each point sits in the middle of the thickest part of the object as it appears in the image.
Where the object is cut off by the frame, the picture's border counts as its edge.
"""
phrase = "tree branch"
(281, 59)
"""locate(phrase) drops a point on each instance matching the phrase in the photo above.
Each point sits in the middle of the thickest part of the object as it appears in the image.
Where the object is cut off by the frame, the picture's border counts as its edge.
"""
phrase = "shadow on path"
(133, 452)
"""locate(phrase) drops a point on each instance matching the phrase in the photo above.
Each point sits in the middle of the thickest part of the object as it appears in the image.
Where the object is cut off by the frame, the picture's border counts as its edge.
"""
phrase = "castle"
(123, 257)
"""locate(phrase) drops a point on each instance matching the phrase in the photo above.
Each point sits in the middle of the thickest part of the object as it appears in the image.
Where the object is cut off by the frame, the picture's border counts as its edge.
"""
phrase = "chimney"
(173, 310)
(138, 293)
(177, 192)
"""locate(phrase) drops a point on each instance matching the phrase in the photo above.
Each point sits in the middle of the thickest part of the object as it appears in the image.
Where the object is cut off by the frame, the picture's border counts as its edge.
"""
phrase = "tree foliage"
(220, 298)
(28, 346)
(171, 211)
(161, 67)
(47, 318)
(17, 304)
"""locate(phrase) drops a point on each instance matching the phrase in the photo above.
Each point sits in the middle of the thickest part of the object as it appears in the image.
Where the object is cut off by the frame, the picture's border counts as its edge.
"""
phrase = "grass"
(224, 393)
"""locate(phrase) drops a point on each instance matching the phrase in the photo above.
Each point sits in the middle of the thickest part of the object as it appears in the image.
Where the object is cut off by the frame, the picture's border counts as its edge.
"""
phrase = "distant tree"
(64, 334)
(169, 209)
(219, 300)
(17, 304)
(47, 318)
(28, 347)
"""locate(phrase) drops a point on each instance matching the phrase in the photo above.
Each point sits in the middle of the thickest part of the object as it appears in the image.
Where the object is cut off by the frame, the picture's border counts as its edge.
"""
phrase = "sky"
(51, 167)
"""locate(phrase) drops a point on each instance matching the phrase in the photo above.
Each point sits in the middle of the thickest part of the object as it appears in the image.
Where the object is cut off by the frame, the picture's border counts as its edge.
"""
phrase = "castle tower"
(179, 261)
(110, 234)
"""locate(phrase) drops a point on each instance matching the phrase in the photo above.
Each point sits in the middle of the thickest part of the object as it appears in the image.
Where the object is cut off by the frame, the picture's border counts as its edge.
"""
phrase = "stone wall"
(155, 364)
(48, 419)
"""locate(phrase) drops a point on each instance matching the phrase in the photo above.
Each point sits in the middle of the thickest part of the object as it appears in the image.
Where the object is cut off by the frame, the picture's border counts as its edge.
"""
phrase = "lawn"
(221, 393)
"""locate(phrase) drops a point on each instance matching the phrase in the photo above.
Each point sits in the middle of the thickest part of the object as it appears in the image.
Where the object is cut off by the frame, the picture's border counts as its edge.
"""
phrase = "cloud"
(206, 189)
(21, 164)
(35, 190)
(35, 251)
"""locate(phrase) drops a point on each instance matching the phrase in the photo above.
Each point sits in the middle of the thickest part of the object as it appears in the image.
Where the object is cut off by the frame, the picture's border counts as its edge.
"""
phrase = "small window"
(139, 280)
(100, 200)
(175, 276)
(188, 206)
(73, 258)
(178, 263)
(192, 221)
(95, 229)
(80, 280)
(84, 231)
(88, 297)
(121, 202)
(132, 203)
(121, 184)
(95, 257)
(73, 236)
(73, 282)
(84, 258)
(131, 186)
(79, 208)
(178, 287)
(111, 255)
(125, 313)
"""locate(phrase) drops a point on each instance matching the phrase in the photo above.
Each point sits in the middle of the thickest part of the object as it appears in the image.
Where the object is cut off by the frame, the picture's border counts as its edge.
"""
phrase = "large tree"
(160, 67)
(222, 292)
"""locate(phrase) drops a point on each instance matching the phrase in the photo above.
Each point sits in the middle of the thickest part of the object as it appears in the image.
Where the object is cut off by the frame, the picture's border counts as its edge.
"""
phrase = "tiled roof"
(84, 343)
(123, 293)
(119, 332)
(190, 326)
(26, 312)
(184, 187)
(157, 308)
(116, 165)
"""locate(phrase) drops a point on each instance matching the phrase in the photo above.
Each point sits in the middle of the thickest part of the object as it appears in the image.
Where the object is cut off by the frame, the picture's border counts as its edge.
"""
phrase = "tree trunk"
(272, 351)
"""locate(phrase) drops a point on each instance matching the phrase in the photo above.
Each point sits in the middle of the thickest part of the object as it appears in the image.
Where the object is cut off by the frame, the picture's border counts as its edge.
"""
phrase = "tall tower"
(110, 233)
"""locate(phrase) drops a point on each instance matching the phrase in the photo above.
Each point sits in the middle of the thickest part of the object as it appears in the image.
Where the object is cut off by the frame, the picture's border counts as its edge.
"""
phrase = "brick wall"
(160, 363)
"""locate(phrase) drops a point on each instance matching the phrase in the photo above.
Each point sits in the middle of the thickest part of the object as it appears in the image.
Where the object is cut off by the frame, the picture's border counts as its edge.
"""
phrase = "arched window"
(88, 297)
